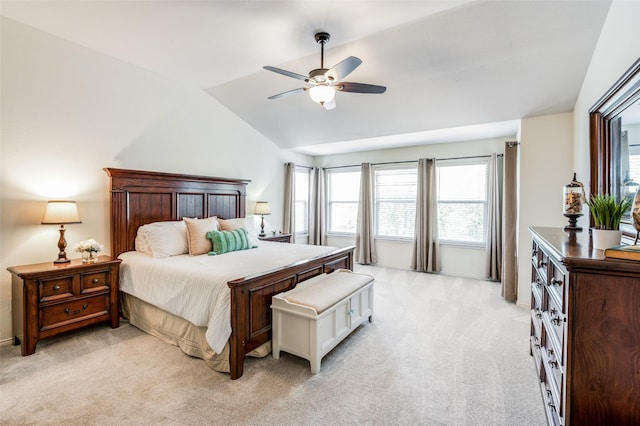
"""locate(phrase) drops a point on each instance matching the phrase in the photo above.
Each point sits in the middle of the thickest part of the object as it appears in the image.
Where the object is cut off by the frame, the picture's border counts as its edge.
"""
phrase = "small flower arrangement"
(89, 249)
(89, 245)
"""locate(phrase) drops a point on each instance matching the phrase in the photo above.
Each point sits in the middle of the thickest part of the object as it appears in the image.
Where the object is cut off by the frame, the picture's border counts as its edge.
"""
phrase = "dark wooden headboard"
(141, 197)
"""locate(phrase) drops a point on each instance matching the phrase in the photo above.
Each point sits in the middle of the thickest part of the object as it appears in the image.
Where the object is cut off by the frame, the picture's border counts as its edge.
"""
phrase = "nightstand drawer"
(55, 288)
(97, 281)
(62, 314)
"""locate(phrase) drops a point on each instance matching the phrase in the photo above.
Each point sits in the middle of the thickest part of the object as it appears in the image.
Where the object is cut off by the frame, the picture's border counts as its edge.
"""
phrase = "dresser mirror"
(615, 141)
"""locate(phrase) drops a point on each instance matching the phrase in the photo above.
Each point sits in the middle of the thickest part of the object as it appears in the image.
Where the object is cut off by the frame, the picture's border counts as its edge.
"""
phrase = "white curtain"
(426, 246)
(317, 222)
(365, 245)
(493, 267)
(510, 223)
(288, 225)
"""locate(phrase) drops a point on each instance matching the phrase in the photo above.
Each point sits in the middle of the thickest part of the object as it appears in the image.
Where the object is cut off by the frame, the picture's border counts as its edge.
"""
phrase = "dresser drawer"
(557, 283)
(554, 320)
(55, 288)
(554, 371)
(537, 355)
(550, 404)
(93, 282)
(61, 314)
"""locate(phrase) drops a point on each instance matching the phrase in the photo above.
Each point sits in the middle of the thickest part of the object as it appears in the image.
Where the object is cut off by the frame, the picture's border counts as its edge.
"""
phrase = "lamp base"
(573, 222)
(62, 244)
(262, 233)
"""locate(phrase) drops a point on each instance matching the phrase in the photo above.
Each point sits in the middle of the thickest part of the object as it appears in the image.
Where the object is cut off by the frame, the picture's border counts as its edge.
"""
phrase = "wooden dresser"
(49, 299)
(585, 330)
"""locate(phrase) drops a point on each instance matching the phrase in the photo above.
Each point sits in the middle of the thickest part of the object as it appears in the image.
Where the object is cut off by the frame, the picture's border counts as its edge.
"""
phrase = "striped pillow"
(227, 241)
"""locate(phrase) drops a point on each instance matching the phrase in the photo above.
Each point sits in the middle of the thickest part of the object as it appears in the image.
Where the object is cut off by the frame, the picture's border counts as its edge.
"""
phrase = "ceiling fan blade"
(330, 105)
(360, 88)
(288, 92)
(287, 73)
(343, 69)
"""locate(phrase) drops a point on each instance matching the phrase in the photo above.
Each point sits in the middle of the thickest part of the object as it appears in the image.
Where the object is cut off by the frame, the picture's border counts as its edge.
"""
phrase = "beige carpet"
(441, 351)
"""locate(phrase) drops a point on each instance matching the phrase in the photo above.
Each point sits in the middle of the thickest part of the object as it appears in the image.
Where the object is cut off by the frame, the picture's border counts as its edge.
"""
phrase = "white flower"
(88, 245)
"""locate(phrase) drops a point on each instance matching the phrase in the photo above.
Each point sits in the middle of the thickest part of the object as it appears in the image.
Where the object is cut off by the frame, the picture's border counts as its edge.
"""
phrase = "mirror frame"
(602, 150)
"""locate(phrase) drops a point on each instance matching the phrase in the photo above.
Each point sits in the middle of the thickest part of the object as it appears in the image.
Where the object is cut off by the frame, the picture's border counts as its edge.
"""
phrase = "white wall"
(546, 166)
(617, 49)
(68, 112)
(458, 261)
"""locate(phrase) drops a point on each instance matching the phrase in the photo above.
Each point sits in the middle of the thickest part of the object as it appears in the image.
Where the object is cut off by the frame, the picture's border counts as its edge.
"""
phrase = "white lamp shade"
(322, 93)
(61, 212)
(262, 208)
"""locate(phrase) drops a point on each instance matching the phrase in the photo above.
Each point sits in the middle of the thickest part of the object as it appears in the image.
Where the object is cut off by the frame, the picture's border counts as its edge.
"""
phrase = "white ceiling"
(454, 70)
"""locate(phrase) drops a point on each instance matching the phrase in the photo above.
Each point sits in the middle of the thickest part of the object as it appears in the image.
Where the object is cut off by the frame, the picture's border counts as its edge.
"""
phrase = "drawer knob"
(95, 281)
(56, 287)
(557, 281)
(70, 312)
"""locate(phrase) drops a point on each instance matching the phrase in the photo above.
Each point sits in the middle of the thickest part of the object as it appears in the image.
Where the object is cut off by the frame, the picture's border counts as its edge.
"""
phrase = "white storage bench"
(312, 318)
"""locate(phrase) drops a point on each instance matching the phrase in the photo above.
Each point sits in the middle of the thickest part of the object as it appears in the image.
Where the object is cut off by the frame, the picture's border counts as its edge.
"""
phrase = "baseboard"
(6, 341)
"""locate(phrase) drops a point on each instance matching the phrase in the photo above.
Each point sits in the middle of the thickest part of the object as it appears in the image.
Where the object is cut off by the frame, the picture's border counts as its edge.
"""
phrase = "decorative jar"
(574, 197)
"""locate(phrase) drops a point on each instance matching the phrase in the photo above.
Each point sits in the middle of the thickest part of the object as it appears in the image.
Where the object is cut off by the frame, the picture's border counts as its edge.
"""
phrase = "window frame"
(471, 161)
(409, 165)
(329, 202)
(305, 232)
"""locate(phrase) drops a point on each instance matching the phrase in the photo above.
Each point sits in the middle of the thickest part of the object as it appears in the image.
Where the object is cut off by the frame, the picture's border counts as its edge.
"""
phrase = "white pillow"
(197, 234)
(247, 223)
(165, 238)
(141, 243)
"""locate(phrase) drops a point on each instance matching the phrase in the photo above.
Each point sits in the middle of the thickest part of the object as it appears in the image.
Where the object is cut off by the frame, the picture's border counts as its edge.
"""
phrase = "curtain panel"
(365, 252)
(510, 223)
(317, 221)
(288, 222)
(493, 267)
(426, 245)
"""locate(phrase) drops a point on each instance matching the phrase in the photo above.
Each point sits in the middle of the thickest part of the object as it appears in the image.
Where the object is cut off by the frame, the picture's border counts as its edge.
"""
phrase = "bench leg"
(275, 336)
(315, 363)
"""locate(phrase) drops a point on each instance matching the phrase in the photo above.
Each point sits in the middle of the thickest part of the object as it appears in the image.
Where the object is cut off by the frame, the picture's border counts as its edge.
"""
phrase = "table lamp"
(61, 213)
(262, 208)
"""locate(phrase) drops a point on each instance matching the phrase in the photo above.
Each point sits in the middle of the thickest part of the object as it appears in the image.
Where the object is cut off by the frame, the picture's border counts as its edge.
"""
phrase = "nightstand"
(280, 238)
(49, 299)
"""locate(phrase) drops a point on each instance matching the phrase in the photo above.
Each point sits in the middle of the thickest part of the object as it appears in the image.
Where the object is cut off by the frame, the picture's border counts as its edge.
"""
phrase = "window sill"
(464, 245)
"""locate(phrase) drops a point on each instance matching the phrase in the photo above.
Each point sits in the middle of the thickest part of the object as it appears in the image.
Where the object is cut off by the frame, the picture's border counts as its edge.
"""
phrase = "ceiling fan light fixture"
(322, 93)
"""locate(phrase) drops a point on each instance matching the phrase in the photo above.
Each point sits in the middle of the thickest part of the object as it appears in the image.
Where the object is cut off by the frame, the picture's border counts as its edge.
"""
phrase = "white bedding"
(195, 287)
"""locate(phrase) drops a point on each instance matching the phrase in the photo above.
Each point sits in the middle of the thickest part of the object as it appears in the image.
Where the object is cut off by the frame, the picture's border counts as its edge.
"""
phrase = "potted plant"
(607, 213)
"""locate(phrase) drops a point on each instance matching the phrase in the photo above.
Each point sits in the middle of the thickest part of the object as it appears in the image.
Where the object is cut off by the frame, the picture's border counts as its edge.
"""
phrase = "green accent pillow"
(227, 241)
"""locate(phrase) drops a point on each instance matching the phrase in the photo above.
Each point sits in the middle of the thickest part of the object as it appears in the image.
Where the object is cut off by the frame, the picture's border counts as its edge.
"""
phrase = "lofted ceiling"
(454, 70)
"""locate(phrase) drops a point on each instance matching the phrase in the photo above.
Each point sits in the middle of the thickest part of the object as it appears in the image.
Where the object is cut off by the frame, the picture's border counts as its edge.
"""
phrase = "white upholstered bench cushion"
(331, 289)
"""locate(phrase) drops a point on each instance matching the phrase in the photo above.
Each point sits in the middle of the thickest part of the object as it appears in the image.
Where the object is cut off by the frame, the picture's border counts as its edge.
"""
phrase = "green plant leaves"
(606, 211)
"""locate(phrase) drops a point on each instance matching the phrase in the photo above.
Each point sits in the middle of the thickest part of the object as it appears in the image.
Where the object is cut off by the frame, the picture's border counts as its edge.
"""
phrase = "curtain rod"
(413, 161)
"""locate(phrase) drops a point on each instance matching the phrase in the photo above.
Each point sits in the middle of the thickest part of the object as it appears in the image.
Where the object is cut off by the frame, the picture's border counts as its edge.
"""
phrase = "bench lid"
(326, 290)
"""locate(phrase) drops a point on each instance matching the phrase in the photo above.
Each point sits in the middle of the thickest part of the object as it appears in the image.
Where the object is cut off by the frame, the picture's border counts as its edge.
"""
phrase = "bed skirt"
(179, 332)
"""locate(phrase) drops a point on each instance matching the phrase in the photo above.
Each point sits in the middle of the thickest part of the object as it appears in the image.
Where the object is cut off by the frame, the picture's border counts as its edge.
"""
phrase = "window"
(395, 201)
(343, 188)
(301, 194)
(462, 201)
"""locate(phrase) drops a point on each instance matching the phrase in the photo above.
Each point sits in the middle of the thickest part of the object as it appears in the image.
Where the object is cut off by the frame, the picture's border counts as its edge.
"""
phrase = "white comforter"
(195, 287)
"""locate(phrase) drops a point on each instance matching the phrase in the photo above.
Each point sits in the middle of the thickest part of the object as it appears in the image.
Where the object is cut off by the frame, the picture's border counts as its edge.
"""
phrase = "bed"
(142, 197)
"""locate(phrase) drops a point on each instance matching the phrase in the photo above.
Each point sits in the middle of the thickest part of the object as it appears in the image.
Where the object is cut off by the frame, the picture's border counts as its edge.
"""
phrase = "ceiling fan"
(325, 82)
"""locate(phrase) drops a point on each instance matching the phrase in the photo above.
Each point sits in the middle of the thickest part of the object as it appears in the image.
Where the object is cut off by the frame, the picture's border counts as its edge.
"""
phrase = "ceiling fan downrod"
(322, 38)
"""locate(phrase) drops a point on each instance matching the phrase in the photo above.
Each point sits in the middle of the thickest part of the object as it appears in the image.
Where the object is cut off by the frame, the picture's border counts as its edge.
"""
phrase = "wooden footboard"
(251, 301)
